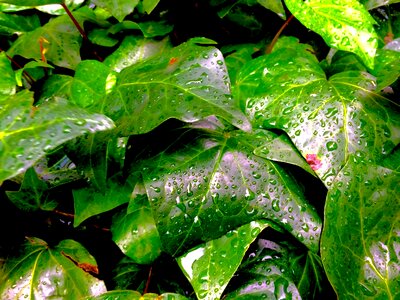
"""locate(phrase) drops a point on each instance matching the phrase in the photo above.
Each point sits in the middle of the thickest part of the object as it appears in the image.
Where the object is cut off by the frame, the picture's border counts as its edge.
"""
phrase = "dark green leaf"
(45, 272)
(392, 161)
(100, 37)
(134, 50)
(31, 195)
(118, 8)
(31, 2)
(16, 24)
(360, 242)
(344, 25)
(135, 232)
(7, 78)
(210, 267)
(88, 202)
(133, 295)
(38, 65)
(128, 275)
(327, 120)
(274, 5)
(281, 149)
(216, 184)
(371, 4)
(188, 82)
(27, 132)
(56, 86)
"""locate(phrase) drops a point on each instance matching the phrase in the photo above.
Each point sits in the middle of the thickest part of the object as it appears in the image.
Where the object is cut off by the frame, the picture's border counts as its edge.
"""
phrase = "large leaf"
(133, 295)
(210, 267)
(27, 133)
(15, 24)
(188, 82)
(216, 184)
(344, 25)
(31, 2)
(360, 244)
(118, 8)
(44, 272)
(327, 120)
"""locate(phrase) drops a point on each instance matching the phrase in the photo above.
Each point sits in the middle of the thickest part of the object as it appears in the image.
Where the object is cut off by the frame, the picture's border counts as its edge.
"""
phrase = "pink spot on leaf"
(313, 161)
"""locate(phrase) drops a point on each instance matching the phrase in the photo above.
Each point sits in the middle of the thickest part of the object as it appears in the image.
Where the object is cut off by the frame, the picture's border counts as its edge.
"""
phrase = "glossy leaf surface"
(118, 8)
(362, 213)
(210, 267)
(44, 272)
(31, 2)
(344, 25)
(188, 82)
(27, 133)
(133, 295)
(216, 184)
(15, 24)
(7, 80)
(327, 120)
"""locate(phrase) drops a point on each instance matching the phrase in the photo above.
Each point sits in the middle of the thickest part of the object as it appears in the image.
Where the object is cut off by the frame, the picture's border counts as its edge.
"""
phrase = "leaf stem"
(27, 76)
(146, 289)
(277, 35)
(80, 29)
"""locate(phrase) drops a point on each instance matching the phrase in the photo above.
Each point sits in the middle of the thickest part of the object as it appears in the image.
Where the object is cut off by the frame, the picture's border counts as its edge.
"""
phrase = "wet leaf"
(210, 267)
(133, 295)
(135, 232)
(15, 24)
(188, 83)
(27, 132)
(215, 184)
(7, 79)
(56, 86)
(118, 8)
(387, 69)
(361, 230)
(327, 120)
(31, 195)
(34, 67)
(89, 202)
(371, 4)
(44, 272)
(31, 2)
(344, 25)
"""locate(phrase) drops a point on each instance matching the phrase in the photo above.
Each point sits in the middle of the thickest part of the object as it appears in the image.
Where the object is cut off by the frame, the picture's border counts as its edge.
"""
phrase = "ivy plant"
(214, 149)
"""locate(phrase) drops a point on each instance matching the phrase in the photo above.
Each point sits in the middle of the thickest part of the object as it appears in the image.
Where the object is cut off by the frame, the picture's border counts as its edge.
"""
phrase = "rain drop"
(275, 205)
(331, 146)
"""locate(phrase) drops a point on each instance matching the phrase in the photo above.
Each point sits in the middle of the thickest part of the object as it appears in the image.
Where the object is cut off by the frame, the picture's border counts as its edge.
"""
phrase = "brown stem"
(277, 35)
(64, 214)
(80, 29)
(28, 77)
(146, 288)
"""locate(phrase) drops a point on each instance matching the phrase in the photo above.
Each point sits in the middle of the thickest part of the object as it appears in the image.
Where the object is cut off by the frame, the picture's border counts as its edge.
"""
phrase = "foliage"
(199, 150)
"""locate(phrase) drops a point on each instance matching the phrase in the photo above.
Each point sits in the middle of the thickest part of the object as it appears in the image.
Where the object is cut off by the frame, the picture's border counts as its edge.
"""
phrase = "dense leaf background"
(221, 149)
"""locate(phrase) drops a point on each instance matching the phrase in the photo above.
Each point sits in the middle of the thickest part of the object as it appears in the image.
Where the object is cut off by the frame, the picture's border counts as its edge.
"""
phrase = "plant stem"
(28, 77)
(80, 29)
(277, 35)
(146, 289)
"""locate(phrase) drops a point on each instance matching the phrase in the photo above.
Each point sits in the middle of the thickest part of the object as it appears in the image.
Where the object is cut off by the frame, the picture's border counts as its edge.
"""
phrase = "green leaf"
(27, 133)
(210, 267)
(32, 65)
(387, 69)
(134, 50)
(392, 161)
(343, 24)
(59, 38)
(149, 5)
(188, 83)
(31, 195)
(327, 120)
(100, 37)
(118, 8)
(135, 232)
(214, 184)
(56, 86)
(274, 5)
(16, 24)
(283, 150)
(133, 295)
(7, 78)
(31, 2)
(361, 230)
(55, 9)
(88, 202)
(372, 4)
(44, 272)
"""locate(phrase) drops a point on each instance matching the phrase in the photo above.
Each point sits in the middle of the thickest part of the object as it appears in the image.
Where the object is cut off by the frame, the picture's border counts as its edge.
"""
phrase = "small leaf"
(88, 202)
(100, 37)
(31, 195)
(149, 5)
(135, 232)
(274, 5)
(210, 267)
(344, 25)
(188, 82)
(118, 8)
(27, 133)
(45, 272)
(361, 229)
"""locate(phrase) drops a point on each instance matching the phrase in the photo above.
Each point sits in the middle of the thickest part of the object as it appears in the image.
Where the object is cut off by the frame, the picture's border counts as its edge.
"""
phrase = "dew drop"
(275, 205)
(331, 146)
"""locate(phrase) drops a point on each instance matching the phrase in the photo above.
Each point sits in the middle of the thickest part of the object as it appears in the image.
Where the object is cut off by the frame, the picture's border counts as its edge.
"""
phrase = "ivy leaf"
(133, 295)
(134, 50)
(27, 133)
(31, 2)
(7, 79)
(372, 4)
(216, 184)
(210, 267)
(52, 272)
(327, 120)
(56, 86)
(118, 8)
(343, 24)
(150, 5)
(275, 6)
(33, 67)
(361, 229)
(188, 82)
(135, 232)
(387, 69)
(31, 195)
(88, 202)
(16, 24)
